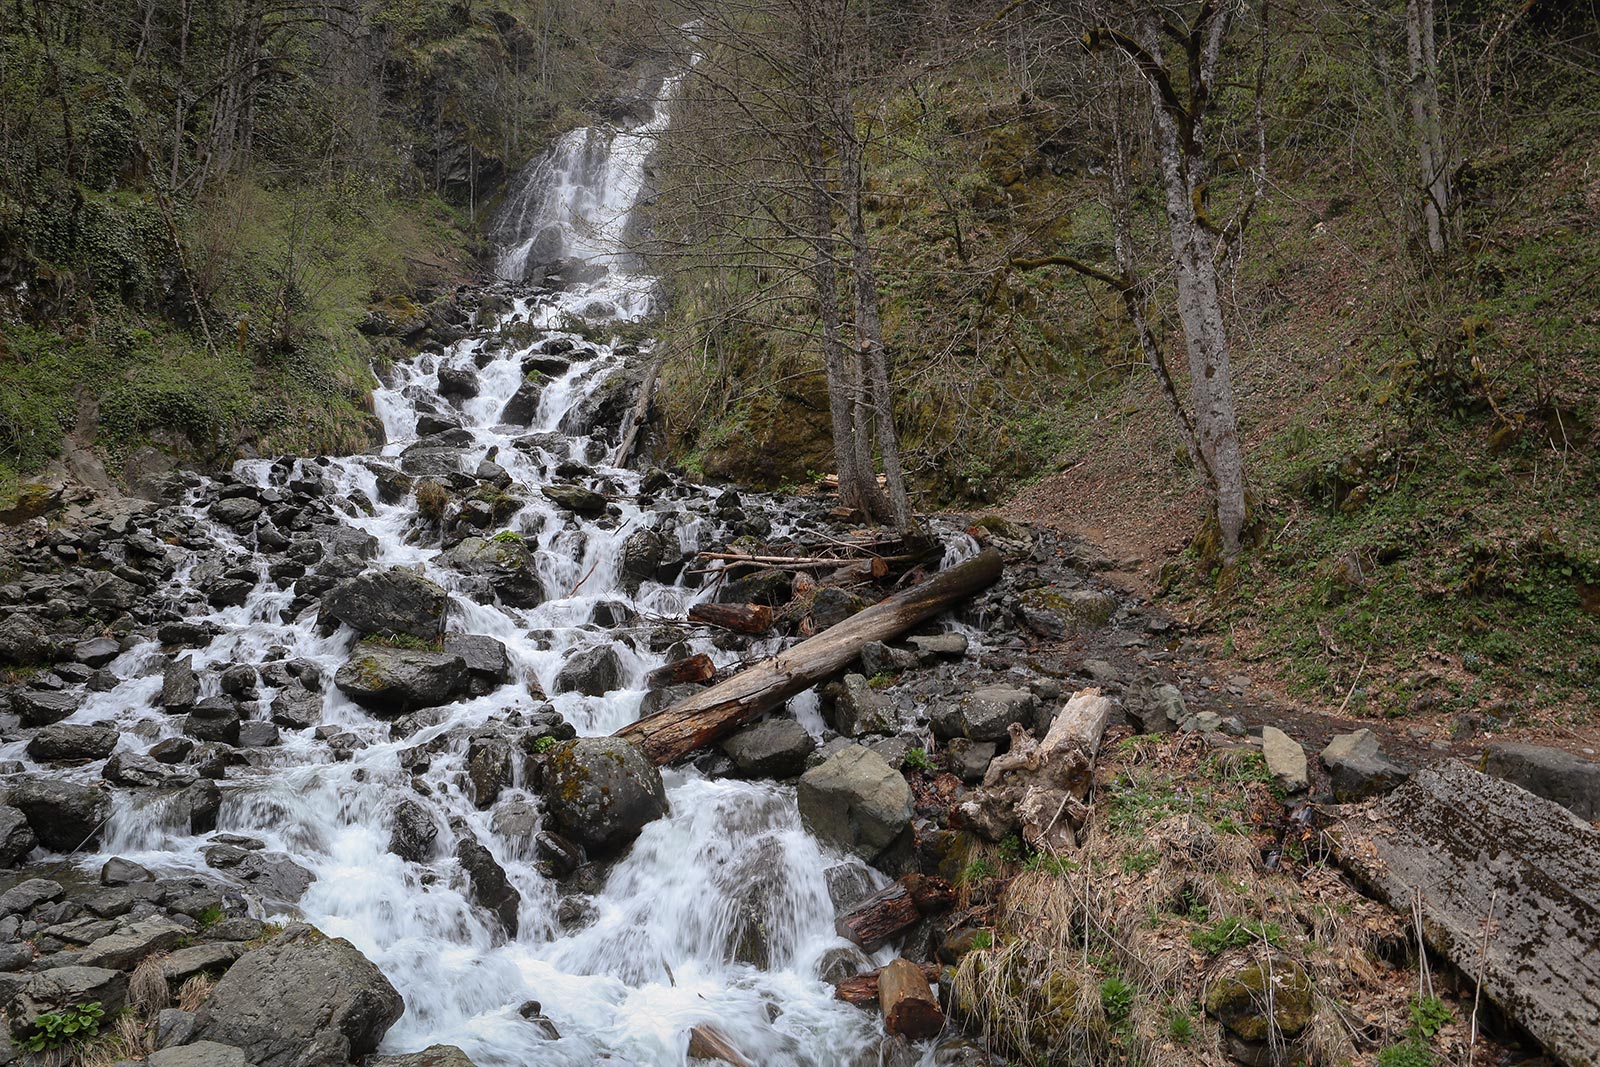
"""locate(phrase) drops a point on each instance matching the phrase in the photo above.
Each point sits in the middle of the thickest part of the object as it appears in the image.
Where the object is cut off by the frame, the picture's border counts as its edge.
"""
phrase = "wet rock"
(214, 719)
(855, 708)
(173, 1028)
(503, 565)
(303, 1000)
(593, 672)
(1255, 997)
(65, 987)
(96, 652)
(524, 403)
(295, 708)
(63, 815)
(394, 602)
(16, 836)
(488, 664)
(1285, 759)
(37, 707)
(856, 801)
(432, 1056)
(1550, 773)
(180, 686)
(236, 512)
(197, 806)
(490, 888)
(458, 382)
(23, 640)
(1157, 709)
(561, 856)
(939, 646)
(413, 833)
(64, 742)
(878, 658)
(274, 874)
(601, 792)
(576, 499)
(139, 772)
(118, 871)
(394, 681)
(1053, 612)
(171, 750)
(1358, 770)
(772, 748)
(488, 769)
(642, 555)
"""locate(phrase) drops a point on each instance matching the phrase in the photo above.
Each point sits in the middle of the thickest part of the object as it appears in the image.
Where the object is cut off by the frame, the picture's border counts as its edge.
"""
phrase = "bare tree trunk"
(1182, 166)
(1426, 120)
(869, 325)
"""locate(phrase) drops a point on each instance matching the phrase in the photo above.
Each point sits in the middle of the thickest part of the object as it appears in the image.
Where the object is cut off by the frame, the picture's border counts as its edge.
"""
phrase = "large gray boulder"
(394, 681)
(601, 791)
(303, 1000)
(41, 707)
(394, 602)
(855, 801)
(642, 555)
(1550, 773)
(772, 748)
(61, 743)
(503, 568)
(64, 987)
(576, 499)
(63, 815)
(593, 672)
(855, 708)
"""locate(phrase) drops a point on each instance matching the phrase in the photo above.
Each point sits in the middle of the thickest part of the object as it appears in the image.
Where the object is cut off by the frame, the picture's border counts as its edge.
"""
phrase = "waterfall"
(719, 913)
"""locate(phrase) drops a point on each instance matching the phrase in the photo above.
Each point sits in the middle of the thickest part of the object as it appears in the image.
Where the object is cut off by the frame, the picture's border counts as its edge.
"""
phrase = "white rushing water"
(659, 955)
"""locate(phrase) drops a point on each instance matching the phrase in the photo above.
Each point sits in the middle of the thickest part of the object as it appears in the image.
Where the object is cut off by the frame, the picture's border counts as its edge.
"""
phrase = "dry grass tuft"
(432, 500)
(148, 991)
(127, 1040)
(195, 991)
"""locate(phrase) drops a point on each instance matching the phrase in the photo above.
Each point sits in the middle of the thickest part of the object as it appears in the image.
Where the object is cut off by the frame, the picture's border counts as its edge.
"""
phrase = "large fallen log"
(705, 717)
(909, 1007)
(1510, 893)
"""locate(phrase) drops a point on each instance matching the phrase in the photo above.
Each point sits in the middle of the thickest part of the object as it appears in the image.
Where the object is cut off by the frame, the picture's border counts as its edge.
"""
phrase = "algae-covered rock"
(1253, 995)
(601, 792)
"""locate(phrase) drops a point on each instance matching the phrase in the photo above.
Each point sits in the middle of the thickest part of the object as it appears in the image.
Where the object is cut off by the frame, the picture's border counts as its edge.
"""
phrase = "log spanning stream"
(624, 968)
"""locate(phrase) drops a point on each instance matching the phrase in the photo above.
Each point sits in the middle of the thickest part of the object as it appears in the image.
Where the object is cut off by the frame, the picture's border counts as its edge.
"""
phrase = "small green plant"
(544, 744)
(1116, 1000)
(1429, 1015)
(1142, 861)
(1045, 863)
(209, 916)
(1180, 1026)
(881, 680)
(977, 871)
(507, 537)
(1011, 848)
(982, 939)
(1411, 1053)
(1231, 932)
(409, 642)
(916, 759)
(54, 1029)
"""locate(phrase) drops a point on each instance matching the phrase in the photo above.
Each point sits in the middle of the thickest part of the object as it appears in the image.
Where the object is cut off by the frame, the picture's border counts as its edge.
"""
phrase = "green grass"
(1234, 932)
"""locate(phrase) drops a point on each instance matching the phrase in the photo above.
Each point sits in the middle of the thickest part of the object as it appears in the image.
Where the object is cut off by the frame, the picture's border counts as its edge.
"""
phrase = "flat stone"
(199, 1054)
(123, 950)
(856, 801)
(1285, 759)
(25, 896)
(1551, 773)
(197, 959)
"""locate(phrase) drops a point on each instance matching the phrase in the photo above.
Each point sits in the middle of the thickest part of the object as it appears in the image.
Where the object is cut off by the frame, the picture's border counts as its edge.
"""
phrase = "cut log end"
(909, 1007)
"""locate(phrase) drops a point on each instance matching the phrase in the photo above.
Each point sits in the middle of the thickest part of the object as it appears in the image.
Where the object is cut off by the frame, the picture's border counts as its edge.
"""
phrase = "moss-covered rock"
(1254, 995)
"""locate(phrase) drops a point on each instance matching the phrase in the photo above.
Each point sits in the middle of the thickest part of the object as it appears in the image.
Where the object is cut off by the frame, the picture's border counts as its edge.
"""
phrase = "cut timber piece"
(706, 1042)
(862, 989)
(745, 618)
(932, 895)
(695, 668)
(708, 716)
(879, 917)
(909, 1007)
(1472, 843)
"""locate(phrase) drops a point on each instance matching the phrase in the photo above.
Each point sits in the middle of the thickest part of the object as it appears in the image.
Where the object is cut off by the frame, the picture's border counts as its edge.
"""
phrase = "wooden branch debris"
(893, 908)
(1464, 840)
(706, 717)
(744, 618)
(697, 668)
(909, 1007)
(862, 989)
(706, 1042)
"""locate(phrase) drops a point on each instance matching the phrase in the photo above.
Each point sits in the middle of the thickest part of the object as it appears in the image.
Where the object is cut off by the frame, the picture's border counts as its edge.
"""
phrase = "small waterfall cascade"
(719, 913)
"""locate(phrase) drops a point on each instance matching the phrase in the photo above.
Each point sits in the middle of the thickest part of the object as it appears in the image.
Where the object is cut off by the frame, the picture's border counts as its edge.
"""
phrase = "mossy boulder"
(502, 565)
(1254, 995)
(394, 681)
(601, 792)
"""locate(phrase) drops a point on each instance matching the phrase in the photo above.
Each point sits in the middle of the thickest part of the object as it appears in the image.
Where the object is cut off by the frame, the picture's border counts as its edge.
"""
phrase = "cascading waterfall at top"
(719, 913)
